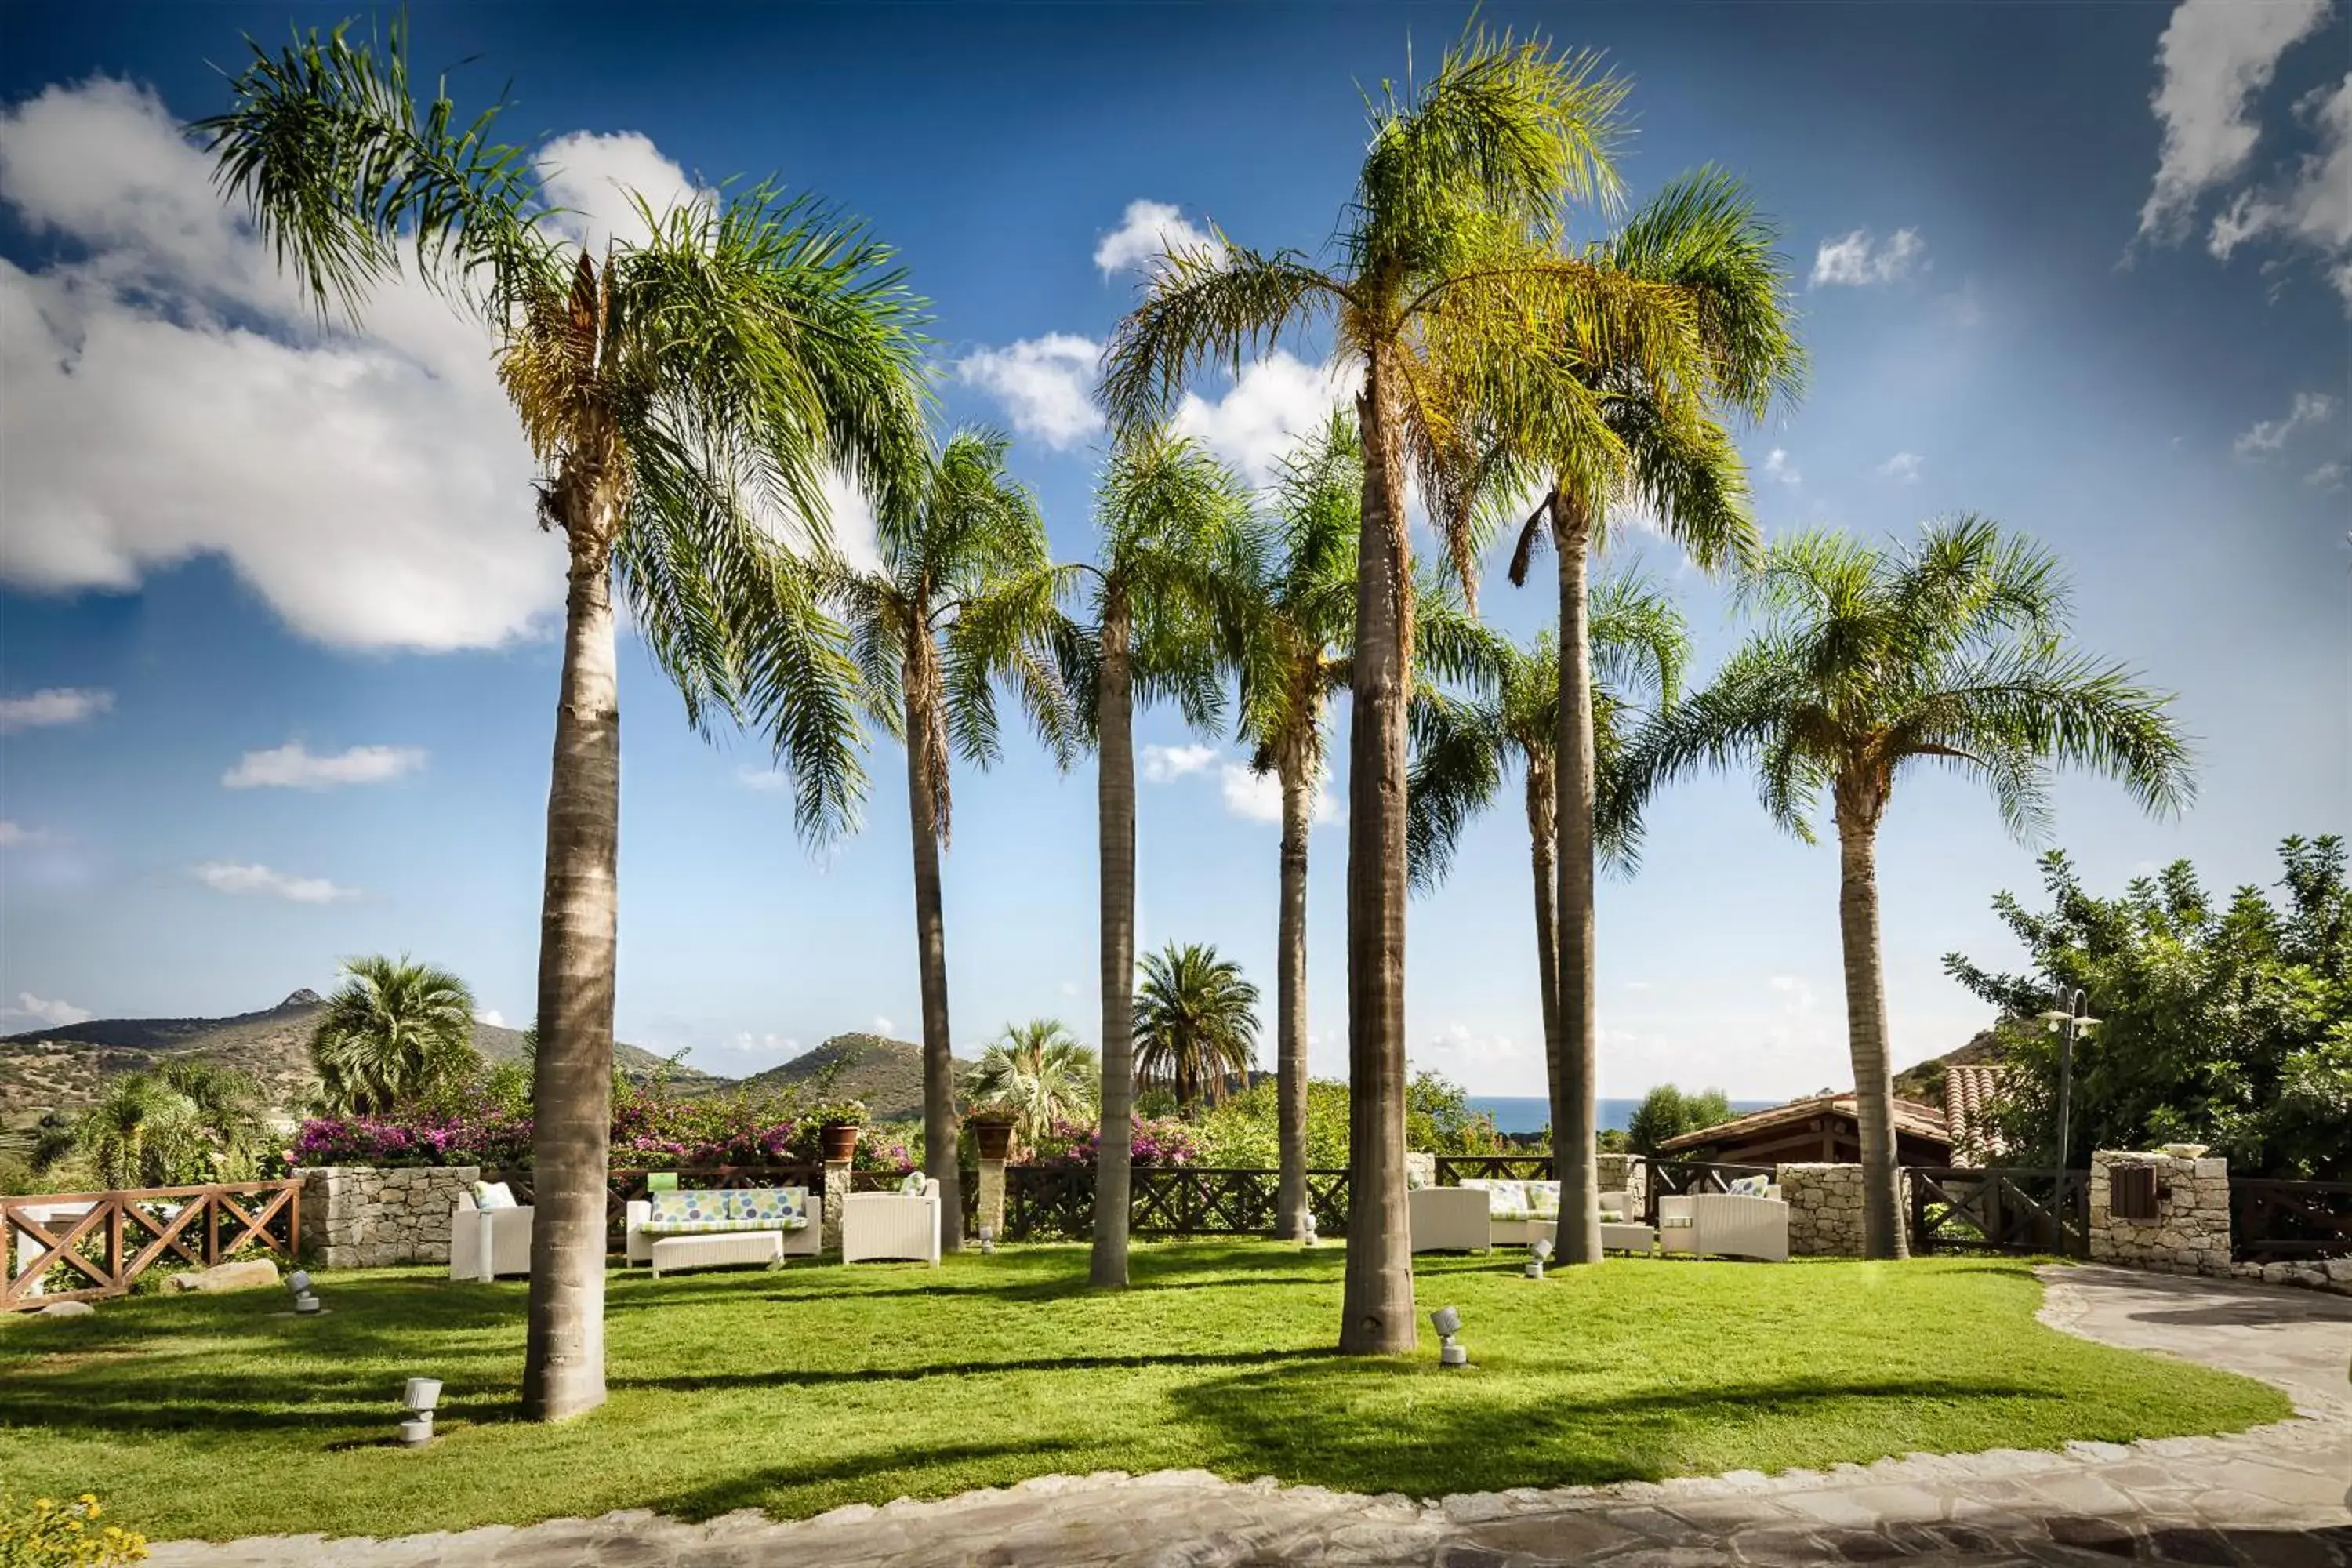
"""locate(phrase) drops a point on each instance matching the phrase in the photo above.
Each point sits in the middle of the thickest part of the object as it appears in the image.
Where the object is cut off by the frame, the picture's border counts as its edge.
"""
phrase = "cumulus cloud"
(50, 1013)
(593, 178)
(2214, 58)
(56, 705)
(172, 395)
(2270, 435)
(228, 877)
(1858, 259)
(1903, 468)
(294, 766)
(1046, 384)
(1461, 1044)
(1147, 231)
(2312, 205)
(492, 1016)
(2327, 477)
(1254, 796)
(1780, 465)
(1161, 764)
(763, 780)
(15, 834)
(882, 1025)
(1272, 405)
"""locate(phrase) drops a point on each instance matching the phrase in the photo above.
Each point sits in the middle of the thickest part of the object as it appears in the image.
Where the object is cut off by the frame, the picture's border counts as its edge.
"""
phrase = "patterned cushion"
(913, 1186)
(770, 1204)
(685, 1207)
(1416, 1176)
(661, 1181)
(1506, 1200)
(1611, 1216)
(707, 1227)
(1543, 1200)
(493, 1195)
(1747, 1186)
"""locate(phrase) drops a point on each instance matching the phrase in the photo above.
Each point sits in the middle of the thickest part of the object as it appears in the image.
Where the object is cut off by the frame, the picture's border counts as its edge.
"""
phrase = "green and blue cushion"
(1747, 1186)
(701, 1213)
(493, 1195)
(911, 1185)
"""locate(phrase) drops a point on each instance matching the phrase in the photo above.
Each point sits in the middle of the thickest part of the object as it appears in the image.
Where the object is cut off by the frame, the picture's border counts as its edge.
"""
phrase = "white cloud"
(1903, 468)
(761, 779)
(2311, 206)
(1272, 405)
(1069, 988)
(53, 1014)
(15, 834)
(293, 766)
(1857, 259)
(56, 705)
(1161, 764)
(852, 515)
(2215, 57)
(492, 1016)
(2328, 476)
(1147, 231)
(1047, 385)
(2270, 435)
(1257, 797)
(171, 395)
(1779, 464)
(783, 1045)
(592, 177)
(228, 877)
(1460, 1045)
(883, 1025)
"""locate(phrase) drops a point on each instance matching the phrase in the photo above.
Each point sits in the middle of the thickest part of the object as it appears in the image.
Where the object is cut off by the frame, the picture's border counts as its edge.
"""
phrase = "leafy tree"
(962, 600)
(1195, 1023)
(393, 1031)
(1636, 428)
(1442, 291)
(1465, 747)
(1244, 1129)
(2227, 1023)
(1872, 659)
(685, 392)
(1170, 517)
(185, 1121)
(1667, 1113)
(1041, 1072)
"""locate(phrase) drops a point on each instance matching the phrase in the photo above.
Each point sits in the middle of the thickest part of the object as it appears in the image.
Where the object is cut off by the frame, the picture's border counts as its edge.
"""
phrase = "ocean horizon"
(1523, 1113)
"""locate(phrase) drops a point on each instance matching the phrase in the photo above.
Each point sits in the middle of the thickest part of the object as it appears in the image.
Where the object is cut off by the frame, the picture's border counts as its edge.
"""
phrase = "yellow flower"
(86, 1497)
(45, 1504)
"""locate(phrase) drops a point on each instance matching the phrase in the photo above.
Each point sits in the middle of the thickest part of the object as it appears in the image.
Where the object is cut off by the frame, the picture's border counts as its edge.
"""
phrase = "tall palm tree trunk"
(939, 1123)
(1290, 999)
(1865, 1017)
(1376, 1316)
(1115, 812)
(1576, 1124)
(1543, 810)
(571, 1087)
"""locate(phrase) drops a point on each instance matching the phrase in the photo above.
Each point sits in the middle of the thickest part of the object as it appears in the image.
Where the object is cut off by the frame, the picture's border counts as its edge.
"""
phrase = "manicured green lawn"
(798, 1391)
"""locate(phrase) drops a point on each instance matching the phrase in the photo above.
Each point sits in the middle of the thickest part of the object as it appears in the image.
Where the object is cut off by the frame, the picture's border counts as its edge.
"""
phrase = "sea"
(1522, 1113)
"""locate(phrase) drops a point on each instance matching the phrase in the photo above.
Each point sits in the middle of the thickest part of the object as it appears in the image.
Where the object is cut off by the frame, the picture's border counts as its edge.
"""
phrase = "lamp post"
(2070, 1021)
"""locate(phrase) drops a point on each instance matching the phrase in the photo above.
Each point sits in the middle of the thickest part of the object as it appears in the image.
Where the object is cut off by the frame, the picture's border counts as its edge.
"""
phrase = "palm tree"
(1951, 650)
(1629, 434)
(1445, 295)
(184, 1121)
(1463, 748)
(685, 393)
(1040, 1072)
(392, 1031)
(963, 598)
(1195, 1023)
(1173, 519)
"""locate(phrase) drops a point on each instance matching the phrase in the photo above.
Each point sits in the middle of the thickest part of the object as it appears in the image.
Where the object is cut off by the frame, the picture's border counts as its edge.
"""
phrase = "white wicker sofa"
(892, 1225)
(1726, 1225)
(700, 1228)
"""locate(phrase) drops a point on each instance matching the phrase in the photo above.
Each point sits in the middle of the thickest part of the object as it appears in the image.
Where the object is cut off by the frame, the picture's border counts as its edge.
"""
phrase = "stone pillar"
(1420, 1168)
(1627, 1174)
(2191, 1232)
(990, 1215)
(836, 1189)
(357, 1217)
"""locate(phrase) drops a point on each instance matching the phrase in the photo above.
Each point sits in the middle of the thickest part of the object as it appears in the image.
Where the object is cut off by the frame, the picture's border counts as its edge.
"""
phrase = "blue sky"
(275, 625)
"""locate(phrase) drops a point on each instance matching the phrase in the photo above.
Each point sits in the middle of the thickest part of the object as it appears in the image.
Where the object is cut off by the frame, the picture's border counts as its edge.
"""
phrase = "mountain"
(887, 1074)
(65, 1067)
(1925, 1082)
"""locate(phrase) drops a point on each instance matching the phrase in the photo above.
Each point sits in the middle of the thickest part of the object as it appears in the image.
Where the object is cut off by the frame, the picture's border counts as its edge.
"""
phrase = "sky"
(277, 650)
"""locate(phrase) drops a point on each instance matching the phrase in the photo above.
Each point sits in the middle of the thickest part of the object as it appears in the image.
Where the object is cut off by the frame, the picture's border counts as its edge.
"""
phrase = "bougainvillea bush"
(652, 1130)
(1067, 1144)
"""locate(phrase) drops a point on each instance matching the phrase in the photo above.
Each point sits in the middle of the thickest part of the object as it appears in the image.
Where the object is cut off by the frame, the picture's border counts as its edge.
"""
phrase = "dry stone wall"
(1825, 1208)
(2191, 1232)
(355, 1217)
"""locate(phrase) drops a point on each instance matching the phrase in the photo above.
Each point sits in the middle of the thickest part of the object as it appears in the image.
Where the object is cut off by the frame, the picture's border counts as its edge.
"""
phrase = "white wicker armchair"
(1723, 1225)
(891, 1225)
(486, 1242)
(1447, 1219)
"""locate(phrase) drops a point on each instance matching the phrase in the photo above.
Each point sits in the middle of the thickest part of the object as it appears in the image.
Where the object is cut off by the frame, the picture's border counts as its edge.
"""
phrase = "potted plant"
(991, 1130)
(837, 1122)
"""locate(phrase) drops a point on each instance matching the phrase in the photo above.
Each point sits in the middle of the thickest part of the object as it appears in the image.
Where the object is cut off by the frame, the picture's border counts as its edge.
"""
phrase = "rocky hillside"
(887, 1074)
(63, 1067)
(1925, 1082)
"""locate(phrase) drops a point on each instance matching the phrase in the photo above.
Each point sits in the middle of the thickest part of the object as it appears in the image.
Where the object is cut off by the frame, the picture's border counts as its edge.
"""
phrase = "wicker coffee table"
(718, 1247)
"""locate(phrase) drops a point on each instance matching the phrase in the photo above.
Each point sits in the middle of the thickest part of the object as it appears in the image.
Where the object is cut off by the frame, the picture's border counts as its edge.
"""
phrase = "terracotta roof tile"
(1910, 1115)
(1969, 1090)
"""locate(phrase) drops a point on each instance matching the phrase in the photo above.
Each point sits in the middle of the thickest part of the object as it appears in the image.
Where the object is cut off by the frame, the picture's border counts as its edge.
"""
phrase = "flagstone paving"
(2278, 1495)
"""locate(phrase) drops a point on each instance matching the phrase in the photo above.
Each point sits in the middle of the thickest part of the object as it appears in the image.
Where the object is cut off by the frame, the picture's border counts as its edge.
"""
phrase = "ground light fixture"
(298, 1283)
(1306, 1229)
(418, 1399)
(1538, 1256)
(1447, 1321)
(988, 1240)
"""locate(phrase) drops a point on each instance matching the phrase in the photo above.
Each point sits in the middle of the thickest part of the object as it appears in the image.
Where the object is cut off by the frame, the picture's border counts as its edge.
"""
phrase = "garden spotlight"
(298, 1283)
(1447, 1321)
(1538, 1255)
(418, 1398)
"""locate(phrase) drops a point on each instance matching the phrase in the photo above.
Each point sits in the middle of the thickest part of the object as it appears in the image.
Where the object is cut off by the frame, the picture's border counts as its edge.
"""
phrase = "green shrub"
(44, 1533)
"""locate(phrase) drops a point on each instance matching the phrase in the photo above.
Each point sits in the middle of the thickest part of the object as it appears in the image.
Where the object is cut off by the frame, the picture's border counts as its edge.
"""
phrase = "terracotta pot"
(993, 1139)
(840, 1140)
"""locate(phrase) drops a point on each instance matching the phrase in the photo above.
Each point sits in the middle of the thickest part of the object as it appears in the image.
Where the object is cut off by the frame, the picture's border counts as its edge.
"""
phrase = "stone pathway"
(2278, 1495)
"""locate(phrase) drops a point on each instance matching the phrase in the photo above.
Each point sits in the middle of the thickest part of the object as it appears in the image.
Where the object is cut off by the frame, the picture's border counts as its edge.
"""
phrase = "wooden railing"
(1045, 1201)
(2273, 1221)
(1453, 1170)
(105, 1241)
(1676, 1178)
(2000, 1208)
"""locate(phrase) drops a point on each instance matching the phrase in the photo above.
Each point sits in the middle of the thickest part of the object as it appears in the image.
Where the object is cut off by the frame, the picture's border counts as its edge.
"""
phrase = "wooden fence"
(1453, 1170)
(100, 1242)
(2012, 1209)
(2273, 1221)
(1674, 1178)
(1047, 1201)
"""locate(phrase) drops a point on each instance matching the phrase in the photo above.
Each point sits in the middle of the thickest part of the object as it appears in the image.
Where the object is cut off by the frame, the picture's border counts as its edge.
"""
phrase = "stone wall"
(1626, 1173)
(2191, 1232)
(357, 1217)
(1825, 1208)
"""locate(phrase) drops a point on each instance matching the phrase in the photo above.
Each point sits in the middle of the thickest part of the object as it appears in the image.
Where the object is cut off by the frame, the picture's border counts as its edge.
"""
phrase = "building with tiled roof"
(1821, 1128)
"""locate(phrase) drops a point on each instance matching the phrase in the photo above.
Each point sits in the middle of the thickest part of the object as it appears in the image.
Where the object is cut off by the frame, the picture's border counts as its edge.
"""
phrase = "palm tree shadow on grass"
(789, 1378)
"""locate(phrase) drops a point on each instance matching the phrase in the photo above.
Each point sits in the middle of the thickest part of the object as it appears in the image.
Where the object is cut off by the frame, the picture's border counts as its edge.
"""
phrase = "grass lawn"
(801, 1390)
